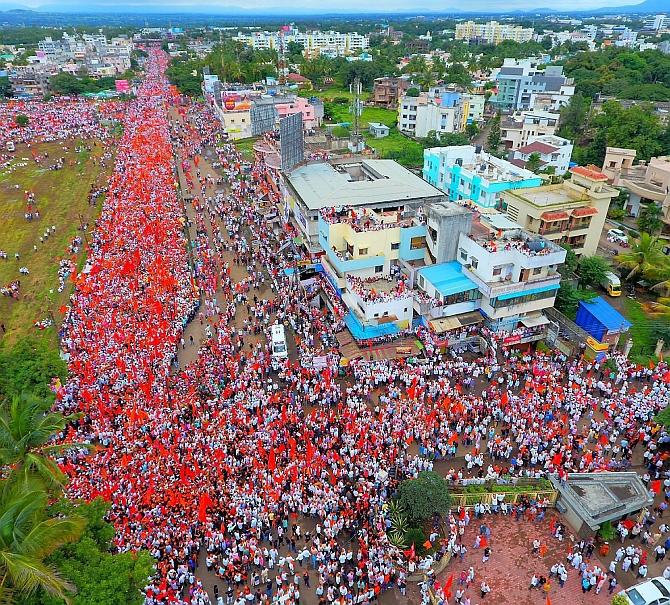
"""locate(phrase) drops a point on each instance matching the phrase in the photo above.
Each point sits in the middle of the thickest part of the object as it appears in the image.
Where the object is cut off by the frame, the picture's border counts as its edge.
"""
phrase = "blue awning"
(448, 278)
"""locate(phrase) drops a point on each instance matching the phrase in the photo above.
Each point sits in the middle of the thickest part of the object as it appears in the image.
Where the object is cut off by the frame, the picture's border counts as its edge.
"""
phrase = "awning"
(588, 211)
(534, 320)
(558, 215)
(444, 324)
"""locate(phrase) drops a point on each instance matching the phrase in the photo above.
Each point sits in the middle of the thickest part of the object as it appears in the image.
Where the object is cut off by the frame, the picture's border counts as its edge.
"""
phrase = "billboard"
(235, 103)
(292, 141)
(122, 86)
(263, 118)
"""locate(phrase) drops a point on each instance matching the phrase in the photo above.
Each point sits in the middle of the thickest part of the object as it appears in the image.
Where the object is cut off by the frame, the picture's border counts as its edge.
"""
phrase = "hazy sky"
(332, 5)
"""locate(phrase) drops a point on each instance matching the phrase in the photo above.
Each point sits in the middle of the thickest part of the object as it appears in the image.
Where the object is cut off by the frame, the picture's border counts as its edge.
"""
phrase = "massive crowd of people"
(278, 482)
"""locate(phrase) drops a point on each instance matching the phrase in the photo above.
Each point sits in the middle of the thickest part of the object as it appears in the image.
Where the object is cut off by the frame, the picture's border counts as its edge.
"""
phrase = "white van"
(278, 343)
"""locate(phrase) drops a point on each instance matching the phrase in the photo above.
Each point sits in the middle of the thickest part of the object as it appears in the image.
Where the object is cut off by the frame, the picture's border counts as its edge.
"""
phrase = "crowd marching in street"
(277, 482)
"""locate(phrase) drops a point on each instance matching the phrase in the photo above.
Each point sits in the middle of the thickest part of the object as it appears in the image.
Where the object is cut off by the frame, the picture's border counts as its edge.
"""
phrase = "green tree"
(26, 429)
(494, 137)
(424, 496)
(644, 256)
(5, 87)
(64, 83)
(413, 92)
(534, 162)
(22, 120)
(27, 537)
(650, 219)
(101, 577)
(472, 130)
(573, 117)
(592, 270)
(568, 297)
(569, 266)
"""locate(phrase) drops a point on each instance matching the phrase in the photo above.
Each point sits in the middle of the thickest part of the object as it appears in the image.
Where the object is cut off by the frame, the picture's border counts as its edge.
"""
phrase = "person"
(484, 589)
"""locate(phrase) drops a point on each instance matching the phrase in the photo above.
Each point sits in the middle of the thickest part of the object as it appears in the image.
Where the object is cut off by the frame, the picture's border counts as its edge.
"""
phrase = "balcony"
(499, 288)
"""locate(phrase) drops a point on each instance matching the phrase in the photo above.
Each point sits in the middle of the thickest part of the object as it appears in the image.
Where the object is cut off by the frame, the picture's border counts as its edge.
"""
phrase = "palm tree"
(645, 256)
(26, 538)
(26, 428)
(659, 308)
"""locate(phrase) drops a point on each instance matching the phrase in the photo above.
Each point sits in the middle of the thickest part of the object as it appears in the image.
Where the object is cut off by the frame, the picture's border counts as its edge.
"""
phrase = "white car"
(652, 592)
(618, 235)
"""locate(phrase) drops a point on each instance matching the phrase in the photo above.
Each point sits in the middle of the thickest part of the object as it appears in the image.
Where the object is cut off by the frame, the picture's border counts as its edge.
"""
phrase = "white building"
(657, 23)
(522, 127)
(417, 116)
(554, 152)
(492, 32)
(314, 42)
(516, 272)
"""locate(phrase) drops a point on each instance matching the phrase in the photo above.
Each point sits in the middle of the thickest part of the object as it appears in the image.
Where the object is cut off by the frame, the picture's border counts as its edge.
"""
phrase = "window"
(422, 281)
(474, 262)
(433, 234)
(376, 315)
(362, 251)
(497, 270)
(395, 246)
(417, 243)
(463, 253)
(405, 309)
(537, 270)
(379, 268)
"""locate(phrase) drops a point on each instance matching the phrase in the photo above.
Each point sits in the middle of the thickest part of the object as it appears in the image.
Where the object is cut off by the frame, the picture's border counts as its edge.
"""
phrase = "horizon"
(311, 7)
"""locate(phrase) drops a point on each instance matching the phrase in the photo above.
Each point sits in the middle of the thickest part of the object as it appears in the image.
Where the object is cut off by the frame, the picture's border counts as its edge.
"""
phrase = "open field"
(398, 147)
(339, 112)
(332, 93)
(246, 147)
(62, 200)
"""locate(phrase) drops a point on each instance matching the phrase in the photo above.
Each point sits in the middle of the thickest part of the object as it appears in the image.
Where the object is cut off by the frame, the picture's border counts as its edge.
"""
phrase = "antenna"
(282, 62)
(223, 70)
(356, 142)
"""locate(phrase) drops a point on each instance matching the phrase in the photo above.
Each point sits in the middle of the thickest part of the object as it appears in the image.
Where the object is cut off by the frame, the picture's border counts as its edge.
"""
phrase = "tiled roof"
(537, 147)
(590, 172)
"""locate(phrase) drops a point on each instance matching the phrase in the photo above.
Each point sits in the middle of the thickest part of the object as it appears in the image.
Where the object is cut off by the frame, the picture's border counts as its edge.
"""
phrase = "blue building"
(466, 172)
(601, 320)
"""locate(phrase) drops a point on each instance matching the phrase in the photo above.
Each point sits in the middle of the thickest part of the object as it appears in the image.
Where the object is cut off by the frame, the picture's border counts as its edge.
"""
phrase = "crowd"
(277, 481)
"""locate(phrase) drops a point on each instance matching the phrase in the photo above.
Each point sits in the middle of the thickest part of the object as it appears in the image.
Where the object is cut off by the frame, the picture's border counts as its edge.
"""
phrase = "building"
(515, 271)
(234, 111)
(572, 212)
(418, 45)
(467, 173)
(521, 82)
(379, 185)
(378, 131)
(29, 81)
(492, 32)
(388, 91)
(657, 23)
(602, 321)
(417, 116)
(661, 109)
(314, 43)
(473, 108)
(554, 152)
(523, 127)
(290, 105)
(590, 499)
(368, 255)
(646, 183)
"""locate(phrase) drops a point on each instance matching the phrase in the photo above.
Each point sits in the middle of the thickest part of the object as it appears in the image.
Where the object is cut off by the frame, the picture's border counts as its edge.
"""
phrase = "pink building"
(299, 105)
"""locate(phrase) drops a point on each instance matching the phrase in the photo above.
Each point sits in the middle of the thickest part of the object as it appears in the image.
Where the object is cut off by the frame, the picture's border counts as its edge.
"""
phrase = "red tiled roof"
(587, 211)
(556, 215)
(537, 147)
(296, 78)
(590, 172)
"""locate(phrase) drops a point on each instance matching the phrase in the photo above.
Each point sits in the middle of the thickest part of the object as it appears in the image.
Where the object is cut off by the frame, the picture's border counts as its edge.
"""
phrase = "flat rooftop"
(359, 183)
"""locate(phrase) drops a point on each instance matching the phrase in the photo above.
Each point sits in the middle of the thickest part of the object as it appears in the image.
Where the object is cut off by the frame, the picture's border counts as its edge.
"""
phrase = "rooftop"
(604, 496)
(358, 183)
(590, 172)
(606, 314)
(517, 239)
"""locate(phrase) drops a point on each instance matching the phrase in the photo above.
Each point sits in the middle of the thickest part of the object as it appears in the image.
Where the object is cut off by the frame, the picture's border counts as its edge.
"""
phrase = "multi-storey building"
(467, 173)
(523, 127)
(521, 81)
(388, 91)
(443, 113)
(314, 42)
(554, 152)
(657, 23)
(572, 212)
(492, 32)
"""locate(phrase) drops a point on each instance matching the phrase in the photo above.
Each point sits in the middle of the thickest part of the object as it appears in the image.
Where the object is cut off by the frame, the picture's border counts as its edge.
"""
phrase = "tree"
(26, 539)
(22, 120)
(444, 139)
(592, 270)
(424, 496)
(26, 428)
(101, 577)
(472, 130)
(413, 92)
(5, 87)
(573, 117)
(649, 220)
(645, 256)
(64, 83)
(568, 297)
(569, 266)
(494, 138)
(534, 162)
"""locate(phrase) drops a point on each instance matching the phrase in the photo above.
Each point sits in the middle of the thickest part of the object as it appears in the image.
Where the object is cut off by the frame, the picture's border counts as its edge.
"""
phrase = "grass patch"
(61, 196)
(644, 331)
(246, 147)
(397, 147)
(340, 112)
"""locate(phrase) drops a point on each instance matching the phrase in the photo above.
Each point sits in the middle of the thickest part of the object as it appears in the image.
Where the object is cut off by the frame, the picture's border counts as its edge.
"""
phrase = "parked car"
(618, 236)
(652, 592)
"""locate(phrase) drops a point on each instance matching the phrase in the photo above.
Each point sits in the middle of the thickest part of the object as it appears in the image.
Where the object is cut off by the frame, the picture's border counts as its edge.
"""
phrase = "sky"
(320, 6)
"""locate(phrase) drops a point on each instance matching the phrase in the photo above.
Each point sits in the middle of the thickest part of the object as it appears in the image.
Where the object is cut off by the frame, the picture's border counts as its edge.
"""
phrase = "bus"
(278, 344)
